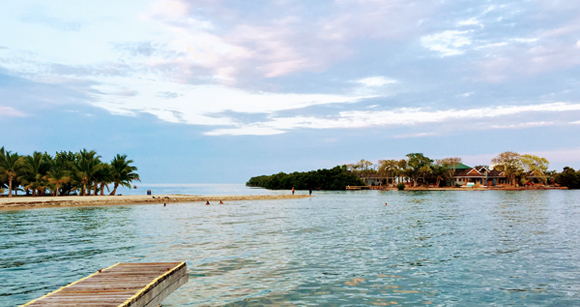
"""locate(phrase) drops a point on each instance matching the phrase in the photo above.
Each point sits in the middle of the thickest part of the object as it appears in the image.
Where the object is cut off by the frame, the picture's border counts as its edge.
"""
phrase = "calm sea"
(337, 249)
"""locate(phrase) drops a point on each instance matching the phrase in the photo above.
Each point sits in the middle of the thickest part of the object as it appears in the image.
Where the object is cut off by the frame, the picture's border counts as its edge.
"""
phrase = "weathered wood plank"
(123, 284)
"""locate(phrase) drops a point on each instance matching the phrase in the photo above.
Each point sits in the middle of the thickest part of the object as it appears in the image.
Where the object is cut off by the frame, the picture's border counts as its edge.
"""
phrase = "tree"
(388, 167)
(122, 172)
(87, 164)
(450, 165)
(336, 178)
(11, 167)
(57, 175)
(34, 169)
(510, 163)
(401, 169)
(64, 161)
(536, 166)
(439, 172)
(419, 166)
(103, 177)
(568, 178)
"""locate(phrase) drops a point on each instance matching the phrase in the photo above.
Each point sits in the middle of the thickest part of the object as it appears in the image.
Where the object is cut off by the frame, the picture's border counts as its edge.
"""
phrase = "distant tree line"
(518, 169)
(336, 178)
(568, 178)
(65, 173)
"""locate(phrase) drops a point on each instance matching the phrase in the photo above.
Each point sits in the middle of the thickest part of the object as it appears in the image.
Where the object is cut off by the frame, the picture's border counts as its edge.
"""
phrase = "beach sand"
(20, 203)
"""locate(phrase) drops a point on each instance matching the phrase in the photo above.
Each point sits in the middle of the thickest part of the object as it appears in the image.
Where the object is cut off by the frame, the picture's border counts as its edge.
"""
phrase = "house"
(380, 180)
(478, 175)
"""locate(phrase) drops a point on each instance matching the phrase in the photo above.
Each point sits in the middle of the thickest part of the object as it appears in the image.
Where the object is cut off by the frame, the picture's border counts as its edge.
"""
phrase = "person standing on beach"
(292, 190)
(310, 192)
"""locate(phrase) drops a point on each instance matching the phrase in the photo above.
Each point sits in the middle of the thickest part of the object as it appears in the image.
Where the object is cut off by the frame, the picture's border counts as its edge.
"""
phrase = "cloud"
(399, 117)
(376, 81)
(523, 125)
(201, 104)
(447, 43)
(414, 135)
(469, 22)
(168, 9)
(9, 111)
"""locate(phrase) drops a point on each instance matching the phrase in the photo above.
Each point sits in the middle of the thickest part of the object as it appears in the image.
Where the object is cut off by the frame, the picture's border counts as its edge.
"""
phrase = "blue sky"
(219, 91)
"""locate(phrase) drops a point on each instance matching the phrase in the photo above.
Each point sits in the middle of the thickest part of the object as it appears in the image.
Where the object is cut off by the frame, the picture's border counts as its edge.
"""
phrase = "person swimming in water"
(221, 202)
(207, 202)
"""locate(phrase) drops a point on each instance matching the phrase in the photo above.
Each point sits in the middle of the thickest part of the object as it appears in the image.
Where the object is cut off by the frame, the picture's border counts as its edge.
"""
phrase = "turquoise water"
(337, 249)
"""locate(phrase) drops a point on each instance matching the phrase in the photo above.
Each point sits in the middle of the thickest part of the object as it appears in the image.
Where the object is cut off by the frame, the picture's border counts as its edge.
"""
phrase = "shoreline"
(471, 189)
(42, 202)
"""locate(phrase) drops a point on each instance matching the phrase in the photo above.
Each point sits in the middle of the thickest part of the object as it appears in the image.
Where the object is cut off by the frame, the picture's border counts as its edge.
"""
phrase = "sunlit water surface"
(337, 249)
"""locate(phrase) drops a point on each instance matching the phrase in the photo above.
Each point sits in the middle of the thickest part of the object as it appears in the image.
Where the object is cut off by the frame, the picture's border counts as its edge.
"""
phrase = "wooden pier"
(120, 285)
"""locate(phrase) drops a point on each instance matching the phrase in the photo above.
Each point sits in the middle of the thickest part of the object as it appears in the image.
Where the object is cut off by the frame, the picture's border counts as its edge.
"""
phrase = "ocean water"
(196, 189)
(462, 248)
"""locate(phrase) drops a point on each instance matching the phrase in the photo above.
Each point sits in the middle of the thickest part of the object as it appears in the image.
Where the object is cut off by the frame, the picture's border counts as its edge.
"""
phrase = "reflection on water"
(343, 248)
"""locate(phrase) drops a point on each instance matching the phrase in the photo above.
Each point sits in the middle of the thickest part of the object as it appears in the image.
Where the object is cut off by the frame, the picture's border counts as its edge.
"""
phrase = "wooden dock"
(120, 285)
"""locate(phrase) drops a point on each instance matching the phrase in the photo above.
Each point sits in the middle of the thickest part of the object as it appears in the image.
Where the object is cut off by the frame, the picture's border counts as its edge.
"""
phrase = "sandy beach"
(20, 203)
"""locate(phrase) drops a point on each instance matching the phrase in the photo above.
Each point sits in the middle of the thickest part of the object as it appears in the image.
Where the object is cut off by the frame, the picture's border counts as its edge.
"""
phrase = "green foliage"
(418, 166)
(400, 186)
(121, 172)
(64, 173)
(336, 178)
(568, 178)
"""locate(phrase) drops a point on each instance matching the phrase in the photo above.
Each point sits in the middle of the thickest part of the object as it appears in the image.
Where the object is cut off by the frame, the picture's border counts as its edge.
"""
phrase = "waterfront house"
(479, 176)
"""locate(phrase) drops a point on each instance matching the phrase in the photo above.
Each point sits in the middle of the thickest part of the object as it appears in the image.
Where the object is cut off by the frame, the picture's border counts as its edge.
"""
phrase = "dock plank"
(121, 285)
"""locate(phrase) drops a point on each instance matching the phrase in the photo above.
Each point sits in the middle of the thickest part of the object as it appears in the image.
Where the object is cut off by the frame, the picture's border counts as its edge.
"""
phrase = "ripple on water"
(348, 249)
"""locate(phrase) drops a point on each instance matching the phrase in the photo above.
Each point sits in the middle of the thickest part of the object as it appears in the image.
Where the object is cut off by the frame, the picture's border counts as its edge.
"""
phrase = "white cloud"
(447, 42)
(523, 125)
(398, 117)
(465, 95)
(201, 104)
(376, 81)
(168, 8)
(9, 111)
(414, 135)
(469, 22)
(524, 40)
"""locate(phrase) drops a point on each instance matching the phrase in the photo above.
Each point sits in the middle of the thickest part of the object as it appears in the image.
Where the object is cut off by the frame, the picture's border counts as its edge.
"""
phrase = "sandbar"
(29, 202)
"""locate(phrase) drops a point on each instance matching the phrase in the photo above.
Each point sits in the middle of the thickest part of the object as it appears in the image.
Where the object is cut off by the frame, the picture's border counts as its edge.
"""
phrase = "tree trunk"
(102, 188)
(9, 186)
(95, 186)
(84, 189)
(56, 191)
(115, 189)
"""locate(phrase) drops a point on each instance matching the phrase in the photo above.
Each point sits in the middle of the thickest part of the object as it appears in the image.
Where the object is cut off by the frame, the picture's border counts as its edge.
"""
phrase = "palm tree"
(87, 164)
(57, 177)
(122, 172)
(35, 167)
(389, 167)
(10, 167)
(102, 176)
(401, 169)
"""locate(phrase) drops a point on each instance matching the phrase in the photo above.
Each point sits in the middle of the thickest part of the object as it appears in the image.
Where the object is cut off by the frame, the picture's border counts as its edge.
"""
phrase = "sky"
(213, 91)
